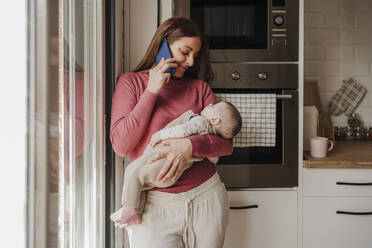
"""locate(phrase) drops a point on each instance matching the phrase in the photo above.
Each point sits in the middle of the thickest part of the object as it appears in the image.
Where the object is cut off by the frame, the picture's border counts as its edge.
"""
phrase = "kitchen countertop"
(345, 154)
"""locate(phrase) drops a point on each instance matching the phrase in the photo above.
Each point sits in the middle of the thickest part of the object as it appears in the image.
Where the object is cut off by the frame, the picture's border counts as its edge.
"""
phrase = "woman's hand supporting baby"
(158, 75)
(178, 153)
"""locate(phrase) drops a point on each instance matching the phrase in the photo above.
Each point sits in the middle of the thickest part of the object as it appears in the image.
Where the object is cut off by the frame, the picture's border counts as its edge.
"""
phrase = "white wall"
(140, 25)
(338, 45)
(13, 123)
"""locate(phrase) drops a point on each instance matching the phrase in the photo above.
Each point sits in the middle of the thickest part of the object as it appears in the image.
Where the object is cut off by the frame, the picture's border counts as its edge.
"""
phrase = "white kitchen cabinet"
(334, 182)
(324, 228)
(324, 197)
(273, 224)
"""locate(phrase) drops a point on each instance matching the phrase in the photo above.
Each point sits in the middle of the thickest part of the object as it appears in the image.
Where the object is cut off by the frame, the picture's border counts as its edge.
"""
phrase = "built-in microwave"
(243, 30)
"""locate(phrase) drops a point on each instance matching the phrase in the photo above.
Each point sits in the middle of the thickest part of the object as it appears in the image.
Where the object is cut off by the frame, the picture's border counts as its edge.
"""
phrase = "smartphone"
(164, 52)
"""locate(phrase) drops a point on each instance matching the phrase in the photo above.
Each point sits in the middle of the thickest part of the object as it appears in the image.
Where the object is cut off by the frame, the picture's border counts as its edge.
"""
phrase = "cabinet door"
(337, 182)
(323, 227)
(272, 224)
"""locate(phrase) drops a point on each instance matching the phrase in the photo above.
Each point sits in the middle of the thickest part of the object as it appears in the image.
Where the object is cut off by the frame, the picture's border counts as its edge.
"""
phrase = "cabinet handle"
(353, 213)
(244, 207)
(354, 184)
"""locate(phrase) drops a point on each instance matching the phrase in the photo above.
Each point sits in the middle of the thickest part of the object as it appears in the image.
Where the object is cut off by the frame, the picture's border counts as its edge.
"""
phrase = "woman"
(194, 211)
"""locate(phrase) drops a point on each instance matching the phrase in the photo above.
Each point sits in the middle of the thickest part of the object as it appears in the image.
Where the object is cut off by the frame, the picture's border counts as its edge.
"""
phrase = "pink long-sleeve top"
(137, 113)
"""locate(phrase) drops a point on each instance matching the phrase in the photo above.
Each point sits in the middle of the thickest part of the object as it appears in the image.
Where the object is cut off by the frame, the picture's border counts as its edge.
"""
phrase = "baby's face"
(212, 110)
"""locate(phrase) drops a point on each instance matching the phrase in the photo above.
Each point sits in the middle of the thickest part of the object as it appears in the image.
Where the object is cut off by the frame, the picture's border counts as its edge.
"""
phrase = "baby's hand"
(155, 139)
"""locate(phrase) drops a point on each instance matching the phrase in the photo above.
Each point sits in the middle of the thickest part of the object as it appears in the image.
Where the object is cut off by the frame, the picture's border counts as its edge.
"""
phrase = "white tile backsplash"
(352, 69)
(322, 6)
(338, 45)
(331, 84)
(321, 36)
(346, 36)
(314, 20)
(344, 53)
(363, 53)
(338, 21)
(366, 101)
(363, 21)
(361, 36)
(314, 52)
(326, 68)
(354, 6)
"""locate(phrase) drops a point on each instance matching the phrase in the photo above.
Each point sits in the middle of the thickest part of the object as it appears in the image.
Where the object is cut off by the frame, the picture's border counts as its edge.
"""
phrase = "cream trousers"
(194, 219)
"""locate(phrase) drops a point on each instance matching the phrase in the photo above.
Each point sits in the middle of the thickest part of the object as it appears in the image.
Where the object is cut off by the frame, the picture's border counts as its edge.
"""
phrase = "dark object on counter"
(359, 133)
(369, 134)
(354, 120)
(349, 134)
(340, 133)
(347, 98)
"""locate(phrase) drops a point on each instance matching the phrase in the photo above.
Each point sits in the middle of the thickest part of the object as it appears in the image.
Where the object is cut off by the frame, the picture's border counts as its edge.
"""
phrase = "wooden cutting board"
(311, 95)
(312, 98)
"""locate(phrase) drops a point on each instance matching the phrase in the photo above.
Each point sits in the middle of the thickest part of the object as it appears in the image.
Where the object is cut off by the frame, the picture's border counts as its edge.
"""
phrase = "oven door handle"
(244, 207)
(284, 96)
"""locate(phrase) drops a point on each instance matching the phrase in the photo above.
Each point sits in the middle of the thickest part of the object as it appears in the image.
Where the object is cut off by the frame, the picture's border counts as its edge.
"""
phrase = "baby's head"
(224, 117)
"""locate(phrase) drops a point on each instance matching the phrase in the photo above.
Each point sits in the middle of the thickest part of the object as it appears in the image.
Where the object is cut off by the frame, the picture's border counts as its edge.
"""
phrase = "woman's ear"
(215, 121)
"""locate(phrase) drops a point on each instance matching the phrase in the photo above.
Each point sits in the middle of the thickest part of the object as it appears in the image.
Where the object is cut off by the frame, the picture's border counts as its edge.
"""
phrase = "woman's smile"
(185, 50)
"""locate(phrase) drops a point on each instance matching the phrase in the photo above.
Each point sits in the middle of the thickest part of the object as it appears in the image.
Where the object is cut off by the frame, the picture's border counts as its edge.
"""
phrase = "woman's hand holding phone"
(158, 75)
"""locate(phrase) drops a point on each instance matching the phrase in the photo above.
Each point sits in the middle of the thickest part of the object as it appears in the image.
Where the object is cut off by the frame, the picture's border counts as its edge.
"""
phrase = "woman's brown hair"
(171, 30)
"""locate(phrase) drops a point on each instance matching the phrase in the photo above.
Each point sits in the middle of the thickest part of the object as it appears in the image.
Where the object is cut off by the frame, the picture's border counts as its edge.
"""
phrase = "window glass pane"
(82, 117)
(43, 137)
(66, 111)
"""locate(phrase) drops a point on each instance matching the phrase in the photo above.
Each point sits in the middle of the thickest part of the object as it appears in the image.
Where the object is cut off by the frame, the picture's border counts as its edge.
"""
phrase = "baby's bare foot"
(125, 217)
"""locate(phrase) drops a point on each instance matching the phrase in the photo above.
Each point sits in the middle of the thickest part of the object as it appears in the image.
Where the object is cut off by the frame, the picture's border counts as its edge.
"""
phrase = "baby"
(221, 119)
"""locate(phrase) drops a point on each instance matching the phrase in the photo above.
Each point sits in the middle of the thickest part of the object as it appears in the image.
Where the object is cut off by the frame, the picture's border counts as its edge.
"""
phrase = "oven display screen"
(232, 24)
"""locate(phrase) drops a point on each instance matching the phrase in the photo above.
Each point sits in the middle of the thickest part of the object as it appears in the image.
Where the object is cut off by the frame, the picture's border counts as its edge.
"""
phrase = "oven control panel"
(254, 76)
(279, 27)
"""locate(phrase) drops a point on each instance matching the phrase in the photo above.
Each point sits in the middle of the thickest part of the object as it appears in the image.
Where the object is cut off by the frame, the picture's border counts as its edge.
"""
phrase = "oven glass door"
(232, 24)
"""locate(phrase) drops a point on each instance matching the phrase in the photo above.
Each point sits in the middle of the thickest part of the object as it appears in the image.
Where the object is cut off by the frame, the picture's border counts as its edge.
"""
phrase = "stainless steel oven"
(242, 30)
(261, 166)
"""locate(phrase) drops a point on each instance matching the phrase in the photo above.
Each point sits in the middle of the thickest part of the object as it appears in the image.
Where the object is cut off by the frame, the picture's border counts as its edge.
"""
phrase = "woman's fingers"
(179, 151)
(179, 168)
(158, 75)
(166, 167)
(166, 66)
(163, 62)
(157, 156)
(172, 170)
(167, 77)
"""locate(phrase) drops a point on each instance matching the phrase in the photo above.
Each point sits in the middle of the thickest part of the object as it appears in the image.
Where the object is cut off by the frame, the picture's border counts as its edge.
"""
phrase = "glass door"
(82, 114)
(66, 137)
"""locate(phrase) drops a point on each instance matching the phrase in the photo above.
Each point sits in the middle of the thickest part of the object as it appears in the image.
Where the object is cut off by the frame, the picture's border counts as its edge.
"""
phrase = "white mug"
(319, 146)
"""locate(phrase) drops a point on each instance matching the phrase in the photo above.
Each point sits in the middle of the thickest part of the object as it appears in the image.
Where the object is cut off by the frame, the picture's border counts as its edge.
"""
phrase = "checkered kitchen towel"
(258, 113)
(347, 98)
